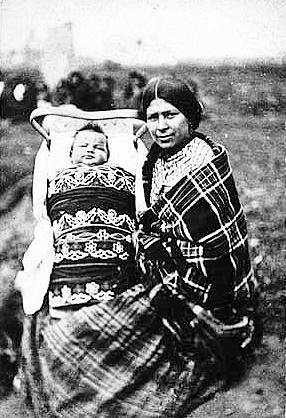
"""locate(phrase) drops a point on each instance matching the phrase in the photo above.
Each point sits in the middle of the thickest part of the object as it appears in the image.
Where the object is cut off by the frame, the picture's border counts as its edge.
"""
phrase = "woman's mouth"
(164, 138)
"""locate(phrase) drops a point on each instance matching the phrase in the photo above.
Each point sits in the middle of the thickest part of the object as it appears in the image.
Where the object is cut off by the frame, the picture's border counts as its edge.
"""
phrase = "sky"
(152, 31)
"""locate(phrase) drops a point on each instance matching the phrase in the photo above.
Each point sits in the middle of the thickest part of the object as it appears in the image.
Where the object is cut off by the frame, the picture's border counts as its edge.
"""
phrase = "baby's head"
(90, 146)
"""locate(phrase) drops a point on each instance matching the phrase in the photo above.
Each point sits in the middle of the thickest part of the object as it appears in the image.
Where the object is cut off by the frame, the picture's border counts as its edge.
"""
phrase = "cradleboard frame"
(39, 118)
(58, 125)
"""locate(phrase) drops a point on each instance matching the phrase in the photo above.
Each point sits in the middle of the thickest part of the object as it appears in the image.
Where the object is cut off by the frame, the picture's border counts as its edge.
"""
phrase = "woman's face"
(89, 148)
(168, 126)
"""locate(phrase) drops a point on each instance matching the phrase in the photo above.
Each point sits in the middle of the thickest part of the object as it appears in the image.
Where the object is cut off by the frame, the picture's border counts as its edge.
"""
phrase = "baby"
(90, 146)
(91, 206)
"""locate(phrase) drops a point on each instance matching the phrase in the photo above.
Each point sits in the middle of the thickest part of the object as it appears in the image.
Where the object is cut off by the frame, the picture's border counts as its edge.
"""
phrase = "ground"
(258, 395)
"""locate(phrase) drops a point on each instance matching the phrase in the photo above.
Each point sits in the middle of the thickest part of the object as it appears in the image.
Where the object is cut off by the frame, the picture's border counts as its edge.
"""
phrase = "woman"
(193, 235)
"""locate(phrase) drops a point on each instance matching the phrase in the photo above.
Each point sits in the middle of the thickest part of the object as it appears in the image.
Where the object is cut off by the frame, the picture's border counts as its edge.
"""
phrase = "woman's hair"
(176, 92)
(91, 126)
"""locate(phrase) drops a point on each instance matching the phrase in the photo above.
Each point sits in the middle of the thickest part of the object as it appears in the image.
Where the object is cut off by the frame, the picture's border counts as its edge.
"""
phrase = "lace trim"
(66, 295)
(92, 217)
(168, 171)
(81, 176)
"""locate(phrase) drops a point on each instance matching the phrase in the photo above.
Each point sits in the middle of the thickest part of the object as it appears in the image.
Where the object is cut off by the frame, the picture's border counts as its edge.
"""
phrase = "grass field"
(252, 127)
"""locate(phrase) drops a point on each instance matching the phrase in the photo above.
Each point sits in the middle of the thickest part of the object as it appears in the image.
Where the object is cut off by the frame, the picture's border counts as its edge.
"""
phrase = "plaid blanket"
(203, 215)
(115, 359)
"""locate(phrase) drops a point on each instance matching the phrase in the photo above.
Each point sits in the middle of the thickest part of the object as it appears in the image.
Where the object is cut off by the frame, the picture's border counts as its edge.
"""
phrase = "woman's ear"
(191, 129)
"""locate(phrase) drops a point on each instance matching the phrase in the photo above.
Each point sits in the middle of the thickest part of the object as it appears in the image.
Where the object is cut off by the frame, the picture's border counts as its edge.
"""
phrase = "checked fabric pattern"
(202, 211)
(113, 359)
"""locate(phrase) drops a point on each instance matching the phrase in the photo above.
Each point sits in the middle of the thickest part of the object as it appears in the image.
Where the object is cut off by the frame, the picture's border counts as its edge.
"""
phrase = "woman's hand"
(148, 221)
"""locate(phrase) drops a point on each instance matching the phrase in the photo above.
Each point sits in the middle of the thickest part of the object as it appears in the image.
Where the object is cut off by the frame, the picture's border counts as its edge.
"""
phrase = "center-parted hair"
(176, 92)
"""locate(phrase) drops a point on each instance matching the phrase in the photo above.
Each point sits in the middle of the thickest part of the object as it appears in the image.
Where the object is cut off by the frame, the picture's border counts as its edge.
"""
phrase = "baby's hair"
(91, 126)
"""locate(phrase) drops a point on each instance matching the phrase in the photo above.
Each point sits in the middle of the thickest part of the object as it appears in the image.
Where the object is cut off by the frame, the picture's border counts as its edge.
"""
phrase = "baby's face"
(89, 148)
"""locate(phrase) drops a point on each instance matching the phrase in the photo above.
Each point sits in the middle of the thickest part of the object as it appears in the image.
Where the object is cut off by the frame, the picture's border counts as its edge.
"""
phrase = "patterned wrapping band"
(86, 284)
(99, 176)
(91, 242)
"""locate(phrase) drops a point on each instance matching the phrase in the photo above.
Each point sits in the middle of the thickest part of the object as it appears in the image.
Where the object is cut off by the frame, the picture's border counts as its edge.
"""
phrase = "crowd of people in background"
(87, 93)
(20, 95)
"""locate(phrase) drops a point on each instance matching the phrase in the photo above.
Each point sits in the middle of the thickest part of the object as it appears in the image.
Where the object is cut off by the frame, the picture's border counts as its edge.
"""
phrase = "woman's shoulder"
(201, 150)
(203, 141)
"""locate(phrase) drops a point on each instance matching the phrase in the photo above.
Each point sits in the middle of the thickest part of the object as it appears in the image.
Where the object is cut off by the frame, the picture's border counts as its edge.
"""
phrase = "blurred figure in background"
(107, 87)
(133, 90)
(43, 94)
(89, 93)
(92, 96)
(78, 86)
(72, 90)
(99, 93)
(62, 94)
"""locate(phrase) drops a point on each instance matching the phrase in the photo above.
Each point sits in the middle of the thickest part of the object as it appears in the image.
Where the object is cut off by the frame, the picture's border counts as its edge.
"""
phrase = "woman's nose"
(161, 122)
